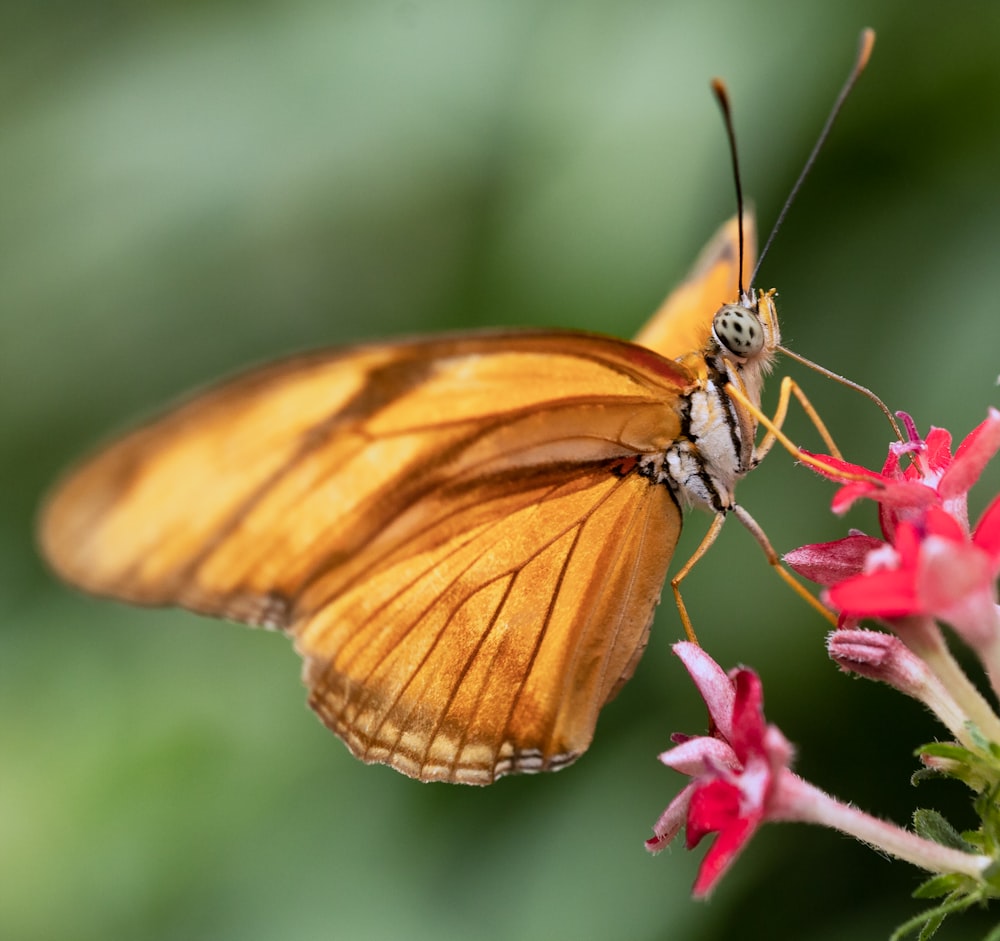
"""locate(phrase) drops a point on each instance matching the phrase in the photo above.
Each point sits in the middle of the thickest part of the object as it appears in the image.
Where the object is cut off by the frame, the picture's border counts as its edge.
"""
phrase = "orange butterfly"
(465, 537)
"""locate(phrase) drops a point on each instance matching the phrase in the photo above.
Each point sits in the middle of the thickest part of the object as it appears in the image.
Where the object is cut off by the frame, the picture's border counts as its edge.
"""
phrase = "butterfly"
(464, 536)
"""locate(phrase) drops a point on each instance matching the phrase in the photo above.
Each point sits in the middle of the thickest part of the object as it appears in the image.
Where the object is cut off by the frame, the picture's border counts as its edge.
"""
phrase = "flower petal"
(733, 777)
(955, 580)
(671, 821)
(827, 563)
(906, 493)
(779, 753)
(987, 535)
(714, 685)
(888, 593)
(723, 853)
(939, 522)
(849, 494)
(747, 737)
(938, 449)
(898, 495)
(838, 469)
(973, 454)
(715, 805)
(699, 755)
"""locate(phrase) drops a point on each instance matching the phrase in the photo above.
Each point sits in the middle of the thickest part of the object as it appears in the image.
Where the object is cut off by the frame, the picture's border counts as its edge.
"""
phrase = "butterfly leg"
(790, 387)
(675, 582)
(773, 559)
(774, 435)
(753, 527)
(774, 432)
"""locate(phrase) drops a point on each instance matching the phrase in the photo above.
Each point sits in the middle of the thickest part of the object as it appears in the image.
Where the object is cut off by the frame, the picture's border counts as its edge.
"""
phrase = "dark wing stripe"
(375, 506)
(405, 587)
(404, 495)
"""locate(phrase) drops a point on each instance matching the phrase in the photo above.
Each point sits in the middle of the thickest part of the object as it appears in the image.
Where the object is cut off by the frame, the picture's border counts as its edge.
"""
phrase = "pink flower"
(928, 564)
(829, 563)
(740, 778)
(933, 477)
(734, 770)
(934, 570)
(886, 658)
(928, 567)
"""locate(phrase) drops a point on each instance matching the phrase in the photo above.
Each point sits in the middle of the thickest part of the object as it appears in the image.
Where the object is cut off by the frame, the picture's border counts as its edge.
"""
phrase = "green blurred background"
(192, 187)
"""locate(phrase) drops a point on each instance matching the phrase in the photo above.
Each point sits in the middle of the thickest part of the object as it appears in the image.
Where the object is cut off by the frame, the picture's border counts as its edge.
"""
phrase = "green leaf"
(932, 826)
(932, 917)
(938, 885)
(950, 750)
(931, 927)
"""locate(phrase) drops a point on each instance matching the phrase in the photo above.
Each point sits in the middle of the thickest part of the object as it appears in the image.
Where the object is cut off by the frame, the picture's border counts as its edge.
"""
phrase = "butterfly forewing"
(456, 532)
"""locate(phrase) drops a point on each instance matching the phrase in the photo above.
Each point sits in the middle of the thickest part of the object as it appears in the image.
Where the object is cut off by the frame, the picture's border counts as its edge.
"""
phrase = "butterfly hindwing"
(488, 643)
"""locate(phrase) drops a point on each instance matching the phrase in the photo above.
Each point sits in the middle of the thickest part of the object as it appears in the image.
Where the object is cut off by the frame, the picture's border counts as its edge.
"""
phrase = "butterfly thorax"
(715, 447)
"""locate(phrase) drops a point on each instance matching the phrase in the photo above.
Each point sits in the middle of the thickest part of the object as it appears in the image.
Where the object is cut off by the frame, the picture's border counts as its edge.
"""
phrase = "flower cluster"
(928, 564)
(928, 568)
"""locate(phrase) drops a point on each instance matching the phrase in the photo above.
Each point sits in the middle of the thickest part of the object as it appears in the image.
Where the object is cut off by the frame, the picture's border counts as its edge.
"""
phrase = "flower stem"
(923, 637)
(989, 654)
(798, 800)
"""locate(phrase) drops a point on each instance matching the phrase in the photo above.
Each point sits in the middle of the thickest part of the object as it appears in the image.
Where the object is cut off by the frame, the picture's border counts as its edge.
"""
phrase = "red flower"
(935, 570)
(740, 778)
(933, 477)
(929, 565)
(735, 770)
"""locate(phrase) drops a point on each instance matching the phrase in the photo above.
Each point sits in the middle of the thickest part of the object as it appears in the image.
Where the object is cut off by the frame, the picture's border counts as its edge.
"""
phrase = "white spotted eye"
(739, 330)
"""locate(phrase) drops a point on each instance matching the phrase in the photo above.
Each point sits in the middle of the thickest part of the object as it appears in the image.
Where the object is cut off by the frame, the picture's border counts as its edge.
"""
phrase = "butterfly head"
(747, 331)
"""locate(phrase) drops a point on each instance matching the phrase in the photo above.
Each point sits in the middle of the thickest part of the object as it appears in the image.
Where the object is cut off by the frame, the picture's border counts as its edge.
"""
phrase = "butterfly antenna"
(844, 381)
(722, 96)
(865, 44)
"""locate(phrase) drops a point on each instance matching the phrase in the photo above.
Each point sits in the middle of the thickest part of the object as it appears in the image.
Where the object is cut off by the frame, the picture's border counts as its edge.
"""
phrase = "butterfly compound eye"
(738, 330)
